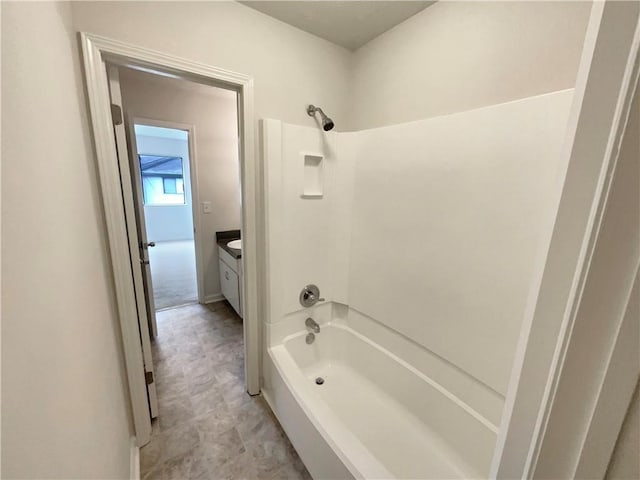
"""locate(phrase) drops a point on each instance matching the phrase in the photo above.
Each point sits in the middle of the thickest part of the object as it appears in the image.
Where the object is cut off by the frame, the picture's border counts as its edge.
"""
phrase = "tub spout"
(310, 338)
(312, 325)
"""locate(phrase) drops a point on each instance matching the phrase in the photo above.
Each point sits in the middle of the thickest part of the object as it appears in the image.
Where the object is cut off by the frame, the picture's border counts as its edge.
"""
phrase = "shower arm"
(312, 109)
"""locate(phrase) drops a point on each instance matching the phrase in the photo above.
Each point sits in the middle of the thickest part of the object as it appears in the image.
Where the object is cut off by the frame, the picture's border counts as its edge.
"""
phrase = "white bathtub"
(375, 416)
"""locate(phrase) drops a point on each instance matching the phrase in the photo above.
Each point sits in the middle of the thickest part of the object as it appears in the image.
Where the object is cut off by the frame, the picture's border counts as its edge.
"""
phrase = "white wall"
(291, 68)
(213, 113)
(65, 406)
(456, 56)
(165, 223)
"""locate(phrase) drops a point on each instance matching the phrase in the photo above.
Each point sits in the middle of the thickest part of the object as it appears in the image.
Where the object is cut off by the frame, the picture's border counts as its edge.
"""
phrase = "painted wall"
(213, 112)
(625, 462)
(456, 56)
(420, 68)
(65, 405)
(291, 68)
(165, 223)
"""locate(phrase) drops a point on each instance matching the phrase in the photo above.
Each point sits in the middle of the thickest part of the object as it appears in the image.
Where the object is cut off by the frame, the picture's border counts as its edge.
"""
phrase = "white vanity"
(231, 274)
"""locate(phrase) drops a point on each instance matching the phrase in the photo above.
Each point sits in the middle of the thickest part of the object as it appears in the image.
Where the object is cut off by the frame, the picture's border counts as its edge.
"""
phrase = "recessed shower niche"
(312, 178)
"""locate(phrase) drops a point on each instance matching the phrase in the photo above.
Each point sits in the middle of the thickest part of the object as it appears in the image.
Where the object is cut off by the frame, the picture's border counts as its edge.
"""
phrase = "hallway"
(208, 426)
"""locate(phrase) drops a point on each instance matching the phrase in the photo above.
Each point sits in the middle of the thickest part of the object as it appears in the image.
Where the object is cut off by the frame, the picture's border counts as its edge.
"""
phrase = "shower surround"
(422, 238)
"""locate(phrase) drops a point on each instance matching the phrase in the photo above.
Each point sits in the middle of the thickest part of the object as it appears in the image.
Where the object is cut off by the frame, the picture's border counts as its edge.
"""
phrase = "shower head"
(327, 123)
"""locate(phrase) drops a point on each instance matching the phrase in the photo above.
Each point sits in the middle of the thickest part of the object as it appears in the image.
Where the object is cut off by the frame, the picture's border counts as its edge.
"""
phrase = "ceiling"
(350, 24)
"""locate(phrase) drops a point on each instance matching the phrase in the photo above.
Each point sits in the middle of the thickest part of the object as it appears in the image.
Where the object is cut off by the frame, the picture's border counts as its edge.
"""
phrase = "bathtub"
(375, 416)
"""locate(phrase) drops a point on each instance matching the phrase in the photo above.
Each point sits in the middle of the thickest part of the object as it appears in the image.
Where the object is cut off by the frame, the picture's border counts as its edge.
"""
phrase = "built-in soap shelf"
(313, 175)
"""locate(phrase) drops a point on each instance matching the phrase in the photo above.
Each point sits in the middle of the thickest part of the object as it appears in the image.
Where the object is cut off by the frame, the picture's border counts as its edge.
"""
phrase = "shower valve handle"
(310, 295)
(312, 298)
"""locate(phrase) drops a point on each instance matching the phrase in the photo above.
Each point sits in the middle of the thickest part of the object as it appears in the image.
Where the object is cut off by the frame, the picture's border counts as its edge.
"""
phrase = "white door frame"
(97, 51)
(193, 177)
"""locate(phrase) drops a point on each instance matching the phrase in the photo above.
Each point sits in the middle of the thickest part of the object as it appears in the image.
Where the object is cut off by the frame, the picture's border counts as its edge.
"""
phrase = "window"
(169, 185)
(162, 180)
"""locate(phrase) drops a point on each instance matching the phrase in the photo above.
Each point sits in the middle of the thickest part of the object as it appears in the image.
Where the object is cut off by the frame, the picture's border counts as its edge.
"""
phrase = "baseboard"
(216, 297)
(134, 462)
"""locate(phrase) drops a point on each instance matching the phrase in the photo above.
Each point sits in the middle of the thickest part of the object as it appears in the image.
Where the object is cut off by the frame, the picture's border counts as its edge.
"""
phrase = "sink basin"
(237, 244)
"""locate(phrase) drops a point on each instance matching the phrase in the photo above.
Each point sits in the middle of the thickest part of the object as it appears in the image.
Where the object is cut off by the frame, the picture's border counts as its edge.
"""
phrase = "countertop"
(222, 238)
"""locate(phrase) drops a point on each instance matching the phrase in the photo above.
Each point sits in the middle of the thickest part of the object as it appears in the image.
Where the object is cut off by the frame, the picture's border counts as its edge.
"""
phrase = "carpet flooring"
(173, 273)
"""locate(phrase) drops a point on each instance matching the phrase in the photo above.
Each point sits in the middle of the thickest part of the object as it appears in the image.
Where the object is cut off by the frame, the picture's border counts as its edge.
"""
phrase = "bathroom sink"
(237, 244)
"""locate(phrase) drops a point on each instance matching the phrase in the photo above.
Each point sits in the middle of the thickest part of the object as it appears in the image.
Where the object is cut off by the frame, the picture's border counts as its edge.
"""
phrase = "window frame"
(163, 178)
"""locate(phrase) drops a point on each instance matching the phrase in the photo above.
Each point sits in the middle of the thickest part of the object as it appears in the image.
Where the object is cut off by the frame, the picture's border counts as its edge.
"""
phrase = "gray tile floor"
(208, 426)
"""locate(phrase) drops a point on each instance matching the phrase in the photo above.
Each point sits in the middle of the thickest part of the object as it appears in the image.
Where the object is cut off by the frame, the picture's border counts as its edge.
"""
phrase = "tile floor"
(208, 426)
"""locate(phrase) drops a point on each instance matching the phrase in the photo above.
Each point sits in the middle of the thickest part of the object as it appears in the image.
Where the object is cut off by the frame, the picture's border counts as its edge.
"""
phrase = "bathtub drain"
(319, 381)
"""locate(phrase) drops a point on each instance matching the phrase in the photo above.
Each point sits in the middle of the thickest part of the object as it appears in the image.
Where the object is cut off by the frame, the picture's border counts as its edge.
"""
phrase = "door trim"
(193, 174)
(97, 51)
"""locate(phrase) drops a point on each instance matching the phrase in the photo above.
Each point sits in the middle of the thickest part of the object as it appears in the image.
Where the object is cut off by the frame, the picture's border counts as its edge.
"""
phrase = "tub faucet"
(312, 325)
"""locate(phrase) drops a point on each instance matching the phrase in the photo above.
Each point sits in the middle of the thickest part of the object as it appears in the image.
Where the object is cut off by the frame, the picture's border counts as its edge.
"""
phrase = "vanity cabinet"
(231, 279)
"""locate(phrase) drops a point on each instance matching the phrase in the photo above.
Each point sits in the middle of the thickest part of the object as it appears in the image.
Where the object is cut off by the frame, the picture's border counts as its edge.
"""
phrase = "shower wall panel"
(309, 236)
(448, 217)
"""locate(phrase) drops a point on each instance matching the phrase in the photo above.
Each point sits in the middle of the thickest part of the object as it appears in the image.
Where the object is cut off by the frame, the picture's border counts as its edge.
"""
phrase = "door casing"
(97, 51)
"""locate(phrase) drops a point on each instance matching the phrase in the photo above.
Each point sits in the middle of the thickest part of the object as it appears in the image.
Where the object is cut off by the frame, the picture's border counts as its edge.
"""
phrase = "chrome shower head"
(327, 123)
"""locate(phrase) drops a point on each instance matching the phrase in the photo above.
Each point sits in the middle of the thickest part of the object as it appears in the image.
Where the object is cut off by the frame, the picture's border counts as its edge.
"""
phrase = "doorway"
(111, 150)
(168, 182)
(165, 200)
